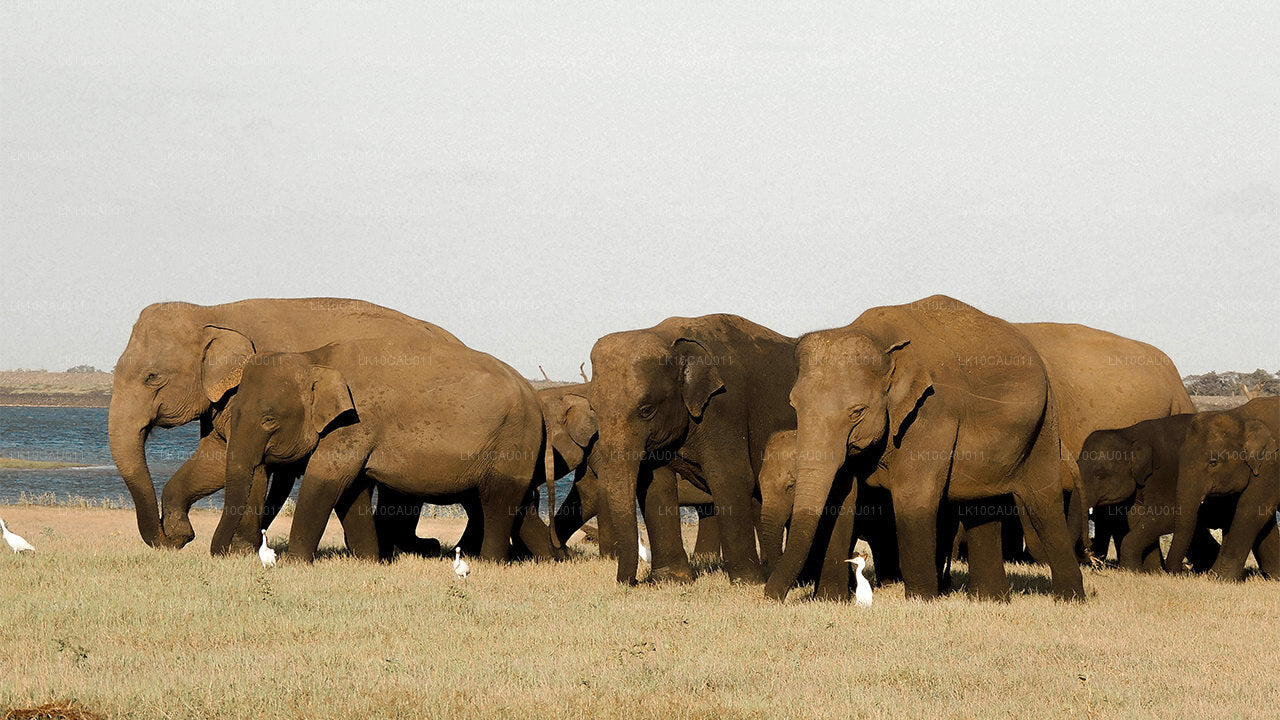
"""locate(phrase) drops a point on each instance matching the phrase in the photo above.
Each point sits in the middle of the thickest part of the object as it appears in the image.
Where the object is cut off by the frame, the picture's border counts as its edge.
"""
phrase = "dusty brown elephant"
(939, 402)
(433, 420)
(700, 396)
(1100, 381)
(1231, 453)
(182, 363)
(572, 429)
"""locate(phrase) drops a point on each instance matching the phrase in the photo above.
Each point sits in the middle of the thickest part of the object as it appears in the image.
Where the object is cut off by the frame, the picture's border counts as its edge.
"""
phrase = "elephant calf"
(1130, 475)
(432, 420)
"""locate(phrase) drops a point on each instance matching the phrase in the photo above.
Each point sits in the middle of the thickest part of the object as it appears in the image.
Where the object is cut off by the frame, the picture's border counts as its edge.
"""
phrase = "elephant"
(183, 362)
(428, 419)
(872, 518)
(700, 396)
(1131, 473)
(937, 402)
(571, 429)
(1231, 453)
(1100, 381)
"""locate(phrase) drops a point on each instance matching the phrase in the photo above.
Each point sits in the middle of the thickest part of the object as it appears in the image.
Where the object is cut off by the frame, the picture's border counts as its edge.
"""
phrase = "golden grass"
(133, 632)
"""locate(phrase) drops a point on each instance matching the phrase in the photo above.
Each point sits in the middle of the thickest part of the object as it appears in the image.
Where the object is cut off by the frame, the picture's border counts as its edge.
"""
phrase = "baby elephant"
(439, 421)
(1132, 474)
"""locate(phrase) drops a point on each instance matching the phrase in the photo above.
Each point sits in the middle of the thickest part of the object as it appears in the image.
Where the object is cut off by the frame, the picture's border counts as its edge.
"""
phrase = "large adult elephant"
(429, 419)
(1231, 453)
(182, 363)
(1101, 381)
(700, 396)
(944, 403)
(571, 431)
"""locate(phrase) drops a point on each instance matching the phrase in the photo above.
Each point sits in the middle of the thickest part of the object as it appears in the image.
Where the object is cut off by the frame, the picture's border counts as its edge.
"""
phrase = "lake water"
(79, 435)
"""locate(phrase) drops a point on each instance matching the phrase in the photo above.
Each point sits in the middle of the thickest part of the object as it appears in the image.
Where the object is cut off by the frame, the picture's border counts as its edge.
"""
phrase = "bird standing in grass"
(644, 551)
(460, 566)
(265, 553)
(16, 541)
(862, 594)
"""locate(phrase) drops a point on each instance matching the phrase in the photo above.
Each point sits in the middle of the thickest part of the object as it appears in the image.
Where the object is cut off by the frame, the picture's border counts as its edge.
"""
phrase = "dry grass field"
(97, 617)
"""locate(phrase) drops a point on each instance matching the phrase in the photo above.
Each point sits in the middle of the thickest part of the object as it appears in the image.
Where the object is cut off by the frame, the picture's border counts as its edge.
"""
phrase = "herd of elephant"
(913, 427)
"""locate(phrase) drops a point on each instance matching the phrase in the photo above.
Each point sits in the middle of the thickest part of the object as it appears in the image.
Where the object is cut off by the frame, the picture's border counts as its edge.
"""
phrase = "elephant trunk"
(774, 514)
(1186, 512)
(818, 461)
(549, 469)
(244, 464)
(1078, 522)
(127, 437)
(618, 481)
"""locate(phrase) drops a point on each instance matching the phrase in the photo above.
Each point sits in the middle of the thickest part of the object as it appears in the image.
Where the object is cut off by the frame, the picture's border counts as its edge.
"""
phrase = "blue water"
(79, 435)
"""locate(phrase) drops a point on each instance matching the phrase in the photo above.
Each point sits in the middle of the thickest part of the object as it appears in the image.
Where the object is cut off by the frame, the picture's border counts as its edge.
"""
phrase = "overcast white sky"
(532, 176)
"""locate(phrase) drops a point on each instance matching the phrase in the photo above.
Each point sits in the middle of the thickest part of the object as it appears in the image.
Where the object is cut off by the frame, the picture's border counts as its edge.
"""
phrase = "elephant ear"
(909, 384)
(330, 397)
(579, 420)
(1259, 445)
(225, 354)
(1141, 463)
(699, 379)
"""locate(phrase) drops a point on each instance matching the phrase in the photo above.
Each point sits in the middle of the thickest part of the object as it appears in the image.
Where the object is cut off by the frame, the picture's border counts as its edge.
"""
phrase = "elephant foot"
(177, 531)
(682, 575)
(750, 576)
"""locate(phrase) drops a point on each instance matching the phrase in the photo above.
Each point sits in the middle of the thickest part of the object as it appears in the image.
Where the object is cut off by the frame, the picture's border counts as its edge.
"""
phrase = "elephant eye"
(268, 422)
(1213, 462)
(153, 380)
(646, 411)
(856, 411)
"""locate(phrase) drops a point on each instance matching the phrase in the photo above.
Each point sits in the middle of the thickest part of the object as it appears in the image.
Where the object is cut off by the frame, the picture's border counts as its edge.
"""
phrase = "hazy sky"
(534, 175)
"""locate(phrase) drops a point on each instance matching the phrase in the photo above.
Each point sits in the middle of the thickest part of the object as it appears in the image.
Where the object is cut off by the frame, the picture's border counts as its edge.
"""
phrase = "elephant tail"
(549, 475)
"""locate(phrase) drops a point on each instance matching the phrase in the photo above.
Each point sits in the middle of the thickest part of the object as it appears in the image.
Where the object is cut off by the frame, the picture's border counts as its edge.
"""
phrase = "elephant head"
(645, 391)
(284, 405)
(853, 395)
(174, 369)
(1223, 453)
(570, 422)
(1112, 470)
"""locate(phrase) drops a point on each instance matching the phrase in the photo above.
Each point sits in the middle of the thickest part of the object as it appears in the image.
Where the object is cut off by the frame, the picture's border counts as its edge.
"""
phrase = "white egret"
(265, 553)
(16, 541)
(644, 551)
(862, 594)
(460, 566)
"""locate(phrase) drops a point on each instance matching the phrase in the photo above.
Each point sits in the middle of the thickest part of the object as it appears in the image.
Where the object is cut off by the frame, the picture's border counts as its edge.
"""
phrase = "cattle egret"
(644, 551)
(265, 553)
(460, 566)
(16, 541)
(862, 594)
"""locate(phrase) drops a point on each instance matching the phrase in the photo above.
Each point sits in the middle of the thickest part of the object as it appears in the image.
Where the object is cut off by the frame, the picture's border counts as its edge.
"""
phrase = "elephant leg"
(708, 542)
(918, 541)
(329, 475)
(883, 541)
(833, 581)
(1254, 510)
(606, 535)
(730, 479)
(396, 518)
(661, 508)
(203, 474)
(578, 507)
(533, 534)
(1266, 550)
(1042, 511)
(987, 579)
(1204, 550)
(283, 479)
(355, 511)
(1142, 540)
